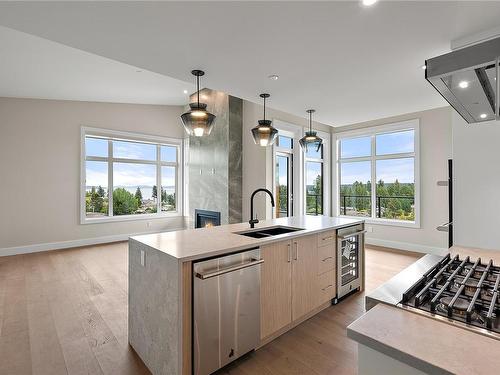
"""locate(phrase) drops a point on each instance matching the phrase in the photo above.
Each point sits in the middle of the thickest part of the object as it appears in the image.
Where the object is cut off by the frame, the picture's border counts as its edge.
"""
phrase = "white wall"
(40, 168)
(257, 160)
(435, 150)
(476, 175)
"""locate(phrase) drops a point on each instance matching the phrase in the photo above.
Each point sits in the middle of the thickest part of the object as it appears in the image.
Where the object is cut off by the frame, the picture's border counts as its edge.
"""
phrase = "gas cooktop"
(460, 290)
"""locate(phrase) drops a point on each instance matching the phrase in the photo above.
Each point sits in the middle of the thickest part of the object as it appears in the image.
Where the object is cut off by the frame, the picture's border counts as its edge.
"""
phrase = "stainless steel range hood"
(468, 79)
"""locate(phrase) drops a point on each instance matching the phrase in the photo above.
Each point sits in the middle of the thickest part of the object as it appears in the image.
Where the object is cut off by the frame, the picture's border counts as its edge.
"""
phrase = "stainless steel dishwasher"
(226, 309)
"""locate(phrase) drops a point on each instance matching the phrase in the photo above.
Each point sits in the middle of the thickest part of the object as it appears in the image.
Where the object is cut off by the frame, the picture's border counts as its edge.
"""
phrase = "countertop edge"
(395, 353)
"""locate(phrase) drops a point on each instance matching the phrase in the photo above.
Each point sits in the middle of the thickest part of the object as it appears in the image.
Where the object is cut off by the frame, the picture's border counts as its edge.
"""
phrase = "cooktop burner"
(460, 289)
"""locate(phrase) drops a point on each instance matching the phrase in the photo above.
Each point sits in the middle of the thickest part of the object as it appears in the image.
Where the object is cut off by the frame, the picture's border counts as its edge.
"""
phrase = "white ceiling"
(349, 62)
(33, 67)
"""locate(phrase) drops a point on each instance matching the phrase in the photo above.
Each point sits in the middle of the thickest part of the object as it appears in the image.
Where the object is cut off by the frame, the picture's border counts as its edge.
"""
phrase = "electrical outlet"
(143, 258)
(148, 224)
(369, 229)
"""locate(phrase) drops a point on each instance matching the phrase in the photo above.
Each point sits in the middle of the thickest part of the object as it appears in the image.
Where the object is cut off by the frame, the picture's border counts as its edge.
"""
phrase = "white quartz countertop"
(191, 244)
(422, 342)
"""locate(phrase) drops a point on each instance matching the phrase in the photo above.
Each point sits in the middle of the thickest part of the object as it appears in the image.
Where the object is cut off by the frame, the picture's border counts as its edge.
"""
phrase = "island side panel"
(154, 320)
(186, 313)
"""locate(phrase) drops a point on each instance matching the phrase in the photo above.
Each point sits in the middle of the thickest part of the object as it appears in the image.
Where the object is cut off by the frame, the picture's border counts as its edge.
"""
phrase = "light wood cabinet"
(304, 276)
(276, 287)
(327, 289)
(298, 276)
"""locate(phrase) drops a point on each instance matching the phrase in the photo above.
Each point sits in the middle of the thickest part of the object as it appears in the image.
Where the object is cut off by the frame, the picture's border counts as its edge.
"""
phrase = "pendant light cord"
(310, 121)
(198, 89)
(264, 108)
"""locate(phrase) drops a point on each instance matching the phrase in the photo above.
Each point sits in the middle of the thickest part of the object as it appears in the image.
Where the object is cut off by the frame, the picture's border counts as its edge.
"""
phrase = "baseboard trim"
(406, 246)
(35, 248)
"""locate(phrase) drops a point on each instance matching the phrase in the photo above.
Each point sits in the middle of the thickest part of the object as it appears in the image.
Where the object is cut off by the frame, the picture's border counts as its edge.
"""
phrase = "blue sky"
(387, 170)
(127, 174)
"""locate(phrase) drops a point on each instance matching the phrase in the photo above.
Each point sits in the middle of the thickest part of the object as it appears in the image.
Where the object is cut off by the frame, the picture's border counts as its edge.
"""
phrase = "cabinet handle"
(327, 287)
(324, 260)
(296, 251)
(289, 253)
(328, 238)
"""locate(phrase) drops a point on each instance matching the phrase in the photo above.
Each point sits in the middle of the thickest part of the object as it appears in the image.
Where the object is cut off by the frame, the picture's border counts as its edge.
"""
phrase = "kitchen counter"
(193, 244)
(418, 342)
(161, 281)
(426, 344)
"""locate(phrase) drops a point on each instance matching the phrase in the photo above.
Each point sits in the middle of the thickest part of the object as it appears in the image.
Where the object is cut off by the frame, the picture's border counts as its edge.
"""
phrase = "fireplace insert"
(206, 219)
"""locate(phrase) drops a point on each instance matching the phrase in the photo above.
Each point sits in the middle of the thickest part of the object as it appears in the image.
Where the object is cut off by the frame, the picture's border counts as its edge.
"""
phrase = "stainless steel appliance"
(226, 309)
(455, 291)
(463, 291)
(468, 79)
(350, 247)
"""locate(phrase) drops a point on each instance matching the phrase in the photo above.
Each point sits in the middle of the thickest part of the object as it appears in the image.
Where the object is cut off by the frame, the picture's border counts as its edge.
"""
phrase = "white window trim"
(293, 131)
(299, 181)
(372, 131)
(326, 173)
(130, 136)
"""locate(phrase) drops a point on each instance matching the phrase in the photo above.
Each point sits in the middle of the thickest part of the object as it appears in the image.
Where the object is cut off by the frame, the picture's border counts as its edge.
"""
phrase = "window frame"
(158, 141)
(299, 166)
(325, 174)
(290, 131)
(372, 132)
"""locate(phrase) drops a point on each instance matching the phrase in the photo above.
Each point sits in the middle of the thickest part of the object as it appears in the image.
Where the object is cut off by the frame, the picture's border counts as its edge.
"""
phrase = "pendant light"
(311, 138)
(198, 121)
(264, 134)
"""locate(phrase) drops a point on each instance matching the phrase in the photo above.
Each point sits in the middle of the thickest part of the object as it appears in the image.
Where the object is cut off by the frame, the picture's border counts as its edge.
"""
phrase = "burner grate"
(459, 289)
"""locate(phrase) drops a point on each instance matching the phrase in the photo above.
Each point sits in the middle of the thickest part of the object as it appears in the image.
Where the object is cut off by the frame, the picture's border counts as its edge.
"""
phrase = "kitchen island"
(293, 287)
(395, 339)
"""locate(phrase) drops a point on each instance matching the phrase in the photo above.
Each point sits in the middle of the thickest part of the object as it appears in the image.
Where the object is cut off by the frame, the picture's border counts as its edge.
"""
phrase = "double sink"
(269, 231)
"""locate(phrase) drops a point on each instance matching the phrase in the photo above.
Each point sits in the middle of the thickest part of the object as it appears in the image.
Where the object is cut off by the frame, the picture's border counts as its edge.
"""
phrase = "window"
(314, 181)
(128, 176)
(284, 176)
(378, 173)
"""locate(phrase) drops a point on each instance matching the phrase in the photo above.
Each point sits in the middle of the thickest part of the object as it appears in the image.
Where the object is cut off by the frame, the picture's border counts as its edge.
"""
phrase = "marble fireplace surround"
(215, 161)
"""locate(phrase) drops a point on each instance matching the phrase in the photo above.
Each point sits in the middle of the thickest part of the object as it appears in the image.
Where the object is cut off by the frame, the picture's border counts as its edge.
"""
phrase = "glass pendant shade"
(264, 134)
(198, 122)
(310, 140)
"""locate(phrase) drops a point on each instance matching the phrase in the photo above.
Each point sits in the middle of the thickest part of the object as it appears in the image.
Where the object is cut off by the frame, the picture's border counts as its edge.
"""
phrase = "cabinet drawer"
(326, 287)
(326, 238)
(326, 259)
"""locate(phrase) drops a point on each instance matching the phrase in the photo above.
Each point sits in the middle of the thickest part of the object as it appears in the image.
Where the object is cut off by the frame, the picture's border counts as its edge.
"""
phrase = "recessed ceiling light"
(185, 91)
(424, 67)
(274, 77)
(483, 115)
(369, 2)
(463, 84)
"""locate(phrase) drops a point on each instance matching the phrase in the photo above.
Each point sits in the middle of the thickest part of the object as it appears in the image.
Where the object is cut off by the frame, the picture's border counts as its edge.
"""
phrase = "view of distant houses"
(128, 200)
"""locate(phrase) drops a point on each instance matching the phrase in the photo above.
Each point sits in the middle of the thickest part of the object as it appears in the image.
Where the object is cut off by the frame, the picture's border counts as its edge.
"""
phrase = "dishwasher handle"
(209, 275)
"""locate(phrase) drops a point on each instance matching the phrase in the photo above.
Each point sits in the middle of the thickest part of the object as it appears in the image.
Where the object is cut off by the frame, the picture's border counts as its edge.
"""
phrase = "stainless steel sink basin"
(269, 231)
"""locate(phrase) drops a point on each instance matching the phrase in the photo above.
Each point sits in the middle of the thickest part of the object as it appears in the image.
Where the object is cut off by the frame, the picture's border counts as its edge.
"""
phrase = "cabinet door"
(276, 287)
(304, 276)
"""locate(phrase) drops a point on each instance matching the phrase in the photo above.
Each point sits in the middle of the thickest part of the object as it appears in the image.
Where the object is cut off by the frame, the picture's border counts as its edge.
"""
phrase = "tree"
(138, 195)
(101, 191)
(94, 202)
(163, 195)
(124, 202)
(154, 193)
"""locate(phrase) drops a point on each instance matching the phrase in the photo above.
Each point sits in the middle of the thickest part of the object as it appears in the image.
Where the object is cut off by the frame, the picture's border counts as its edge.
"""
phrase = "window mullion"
(158, 180)
(374, 177)
(110, 178)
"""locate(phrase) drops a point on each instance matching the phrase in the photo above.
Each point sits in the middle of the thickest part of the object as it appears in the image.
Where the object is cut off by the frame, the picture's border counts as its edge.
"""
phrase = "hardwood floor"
(65, 312)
